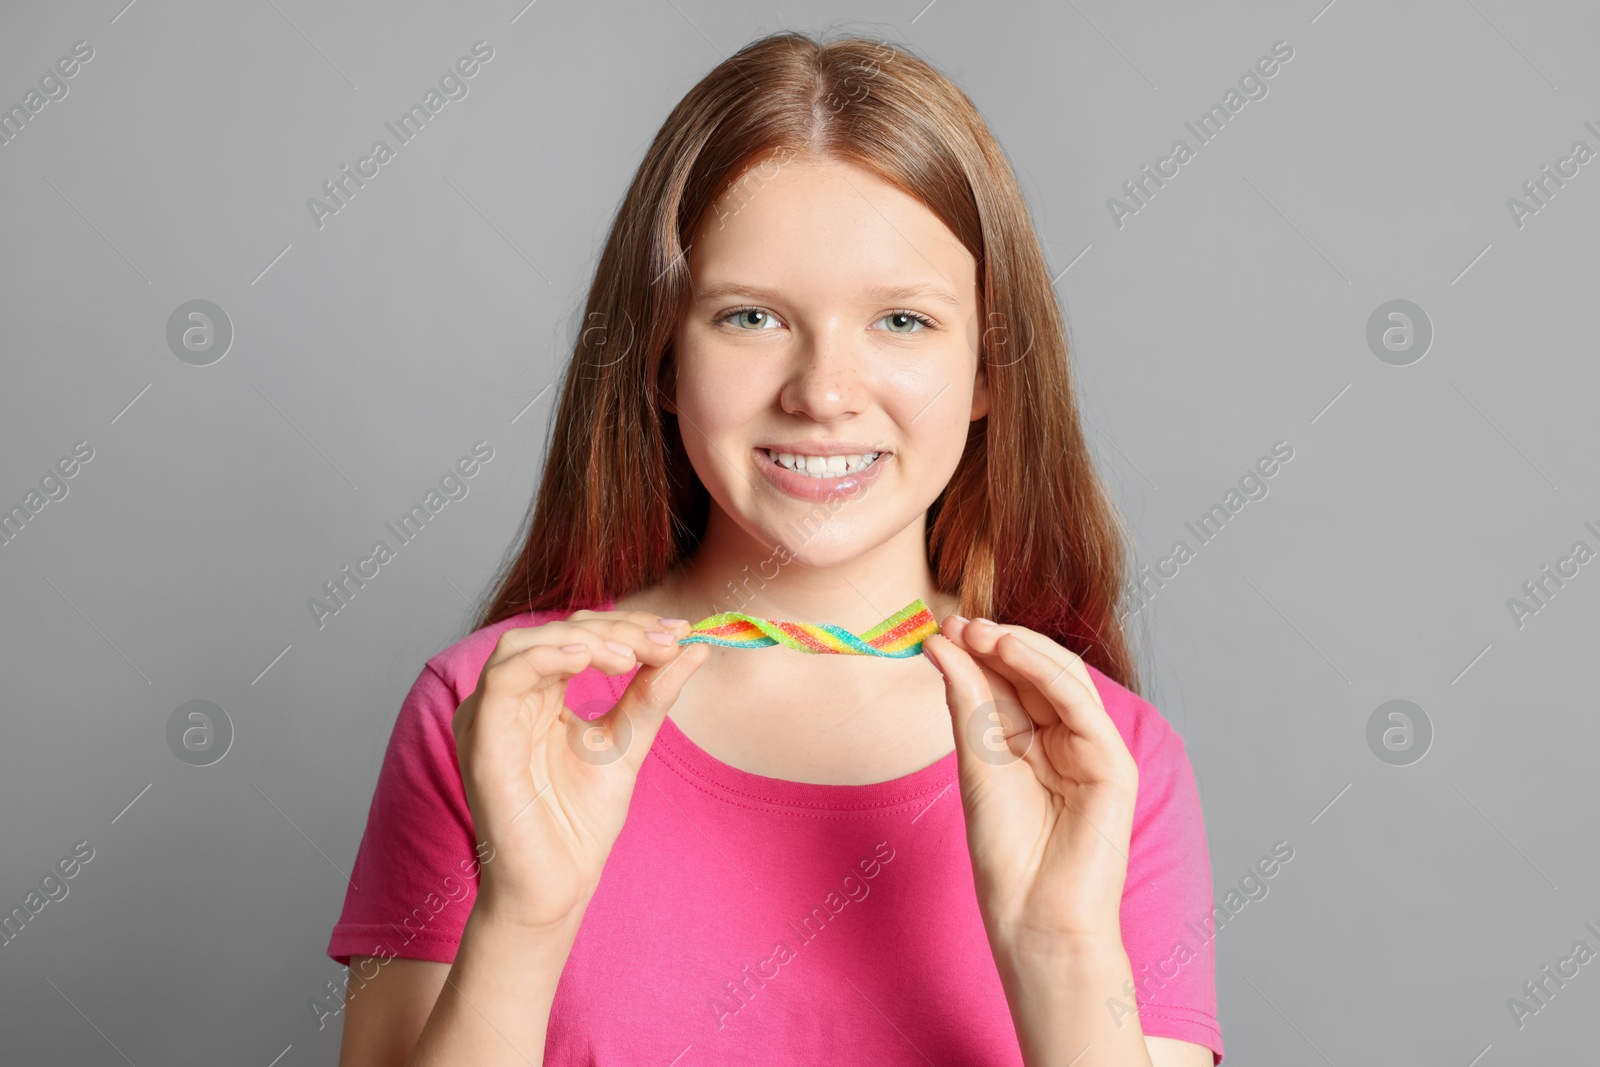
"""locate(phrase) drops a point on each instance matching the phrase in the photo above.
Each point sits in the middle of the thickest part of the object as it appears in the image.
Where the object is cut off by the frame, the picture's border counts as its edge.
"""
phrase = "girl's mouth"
(821, 477)
(823, 466)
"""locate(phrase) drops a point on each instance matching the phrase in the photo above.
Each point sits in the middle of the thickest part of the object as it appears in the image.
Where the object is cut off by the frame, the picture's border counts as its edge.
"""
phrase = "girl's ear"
(980, 392)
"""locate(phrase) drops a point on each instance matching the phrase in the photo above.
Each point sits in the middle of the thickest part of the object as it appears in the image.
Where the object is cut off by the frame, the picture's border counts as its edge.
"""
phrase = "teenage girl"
(822, 374)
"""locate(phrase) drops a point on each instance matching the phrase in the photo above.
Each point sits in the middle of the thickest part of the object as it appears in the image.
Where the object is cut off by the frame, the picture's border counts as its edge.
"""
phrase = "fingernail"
(929, 655)
(961, 618)
(674, 622)
(619, 648)
(579, 647)
(981, 621)
(659, 638)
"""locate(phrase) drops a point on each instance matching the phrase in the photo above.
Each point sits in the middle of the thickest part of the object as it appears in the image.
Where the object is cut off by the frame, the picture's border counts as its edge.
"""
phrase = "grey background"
(1228, 314)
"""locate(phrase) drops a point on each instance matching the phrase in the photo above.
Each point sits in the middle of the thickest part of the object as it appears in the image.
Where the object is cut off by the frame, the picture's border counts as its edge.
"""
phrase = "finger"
(1070, 692)
(528, 660)
(642, 618)
(980, 642)
(631, 726)
(614, 645)
(512, 673)
(1003, 691)
(561, 631)
(1064, 659)
(617, 646)
(972, 706)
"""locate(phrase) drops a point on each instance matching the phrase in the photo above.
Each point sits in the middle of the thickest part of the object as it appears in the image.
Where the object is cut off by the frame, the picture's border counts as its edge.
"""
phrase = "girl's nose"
(826, 381)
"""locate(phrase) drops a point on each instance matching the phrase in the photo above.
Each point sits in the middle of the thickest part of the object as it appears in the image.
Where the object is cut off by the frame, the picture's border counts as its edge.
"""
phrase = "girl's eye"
(907, 319)
(749, 318)
(753, 319)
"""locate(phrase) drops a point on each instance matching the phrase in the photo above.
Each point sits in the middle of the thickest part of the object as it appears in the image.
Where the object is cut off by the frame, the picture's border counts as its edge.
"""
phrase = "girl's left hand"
(1047, 784)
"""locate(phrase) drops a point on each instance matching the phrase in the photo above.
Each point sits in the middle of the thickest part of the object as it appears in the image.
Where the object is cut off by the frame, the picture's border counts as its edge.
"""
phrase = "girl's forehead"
(885, 254)
(843, 200)
(797, 231)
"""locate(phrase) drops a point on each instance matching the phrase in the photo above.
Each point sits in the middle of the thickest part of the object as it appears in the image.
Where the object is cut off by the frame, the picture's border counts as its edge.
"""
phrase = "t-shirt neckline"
(701, 768)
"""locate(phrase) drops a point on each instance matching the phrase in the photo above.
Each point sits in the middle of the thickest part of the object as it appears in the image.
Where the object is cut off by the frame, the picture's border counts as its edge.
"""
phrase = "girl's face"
(832, 317)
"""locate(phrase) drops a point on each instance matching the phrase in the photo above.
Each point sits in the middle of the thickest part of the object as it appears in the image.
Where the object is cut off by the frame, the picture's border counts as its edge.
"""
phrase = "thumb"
(633, 724)
(980, 727)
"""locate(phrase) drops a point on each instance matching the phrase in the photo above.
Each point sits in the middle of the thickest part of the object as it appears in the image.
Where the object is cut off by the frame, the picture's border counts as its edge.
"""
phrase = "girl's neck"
(833, 719)
(732, 572)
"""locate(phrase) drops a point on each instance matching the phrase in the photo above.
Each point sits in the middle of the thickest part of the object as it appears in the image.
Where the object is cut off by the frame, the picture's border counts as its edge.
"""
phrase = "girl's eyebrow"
(875, 293)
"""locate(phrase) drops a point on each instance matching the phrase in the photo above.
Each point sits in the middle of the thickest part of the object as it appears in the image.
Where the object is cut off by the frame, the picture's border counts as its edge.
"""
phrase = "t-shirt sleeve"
(415, 876)
(1166, 899)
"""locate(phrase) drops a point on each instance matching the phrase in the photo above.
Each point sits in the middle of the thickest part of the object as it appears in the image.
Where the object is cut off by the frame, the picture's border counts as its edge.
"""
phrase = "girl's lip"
(805, 487)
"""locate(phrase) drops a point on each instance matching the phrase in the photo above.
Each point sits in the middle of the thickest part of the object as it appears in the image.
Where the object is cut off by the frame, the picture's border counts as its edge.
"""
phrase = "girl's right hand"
(549, 791)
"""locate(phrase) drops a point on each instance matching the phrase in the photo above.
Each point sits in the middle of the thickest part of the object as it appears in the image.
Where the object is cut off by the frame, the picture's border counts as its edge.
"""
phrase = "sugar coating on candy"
(897, 637)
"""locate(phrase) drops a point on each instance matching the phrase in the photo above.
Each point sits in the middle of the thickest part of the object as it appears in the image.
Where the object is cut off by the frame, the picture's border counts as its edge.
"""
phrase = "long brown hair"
(1025, 532)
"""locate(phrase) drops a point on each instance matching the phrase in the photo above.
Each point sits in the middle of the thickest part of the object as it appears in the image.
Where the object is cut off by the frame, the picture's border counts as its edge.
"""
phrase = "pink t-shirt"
(746, 919)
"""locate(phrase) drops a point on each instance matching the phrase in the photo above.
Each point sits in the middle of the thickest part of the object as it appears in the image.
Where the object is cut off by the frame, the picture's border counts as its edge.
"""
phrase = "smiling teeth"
(824, 466)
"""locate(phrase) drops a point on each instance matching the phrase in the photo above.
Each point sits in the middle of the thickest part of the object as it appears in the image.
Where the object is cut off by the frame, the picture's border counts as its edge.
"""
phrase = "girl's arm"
(490, 1007)
(548, 818)
(494, 1005)
(1049, 789)
(1057, 999)
(384, 1016)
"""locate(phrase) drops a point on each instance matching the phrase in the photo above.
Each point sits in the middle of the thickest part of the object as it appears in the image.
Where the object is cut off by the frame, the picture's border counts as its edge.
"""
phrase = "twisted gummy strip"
(897, 637)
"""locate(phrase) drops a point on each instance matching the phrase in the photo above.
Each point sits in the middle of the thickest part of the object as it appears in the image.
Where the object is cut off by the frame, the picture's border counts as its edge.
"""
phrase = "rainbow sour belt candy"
(898, 636)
